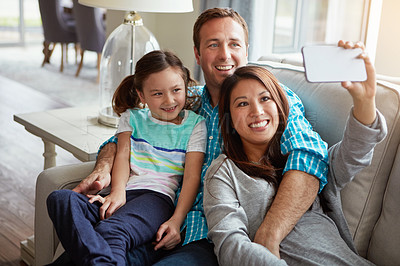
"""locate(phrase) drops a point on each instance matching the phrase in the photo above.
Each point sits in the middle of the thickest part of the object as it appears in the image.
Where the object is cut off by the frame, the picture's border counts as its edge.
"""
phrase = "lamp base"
(106, 117)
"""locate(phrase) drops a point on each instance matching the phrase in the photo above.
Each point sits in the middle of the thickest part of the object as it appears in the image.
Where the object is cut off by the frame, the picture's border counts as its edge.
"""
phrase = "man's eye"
(213, 45)
(235, 45)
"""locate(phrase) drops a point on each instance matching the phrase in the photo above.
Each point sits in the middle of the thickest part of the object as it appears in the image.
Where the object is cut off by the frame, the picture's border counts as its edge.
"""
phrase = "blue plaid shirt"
(307, 153)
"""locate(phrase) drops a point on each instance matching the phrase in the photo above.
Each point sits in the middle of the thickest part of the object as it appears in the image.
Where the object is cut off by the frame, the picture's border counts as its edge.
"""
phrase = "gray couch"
(371, 201)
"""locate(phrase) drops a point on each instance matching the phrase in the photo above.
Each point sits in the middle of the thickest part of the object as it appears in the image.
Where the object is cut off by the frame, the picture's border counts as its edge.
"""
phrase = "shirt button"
(210, 137)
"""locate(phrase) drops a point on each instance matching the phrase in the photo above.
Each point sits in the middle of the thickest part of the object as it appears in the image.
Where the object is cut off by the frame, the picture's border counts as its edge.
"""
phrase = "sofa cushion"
(386, 234)
(327, 106)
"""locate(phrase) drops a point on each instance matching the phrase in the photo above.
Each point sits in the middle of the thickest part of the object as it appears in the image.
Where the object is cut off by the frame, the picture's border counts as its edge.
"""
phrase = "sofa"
(371, 202)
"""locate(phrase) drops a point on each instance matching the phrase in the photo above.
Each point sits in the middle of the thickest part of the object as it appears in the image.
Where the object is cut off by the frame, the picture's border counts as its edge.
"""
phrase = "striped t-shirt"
(158, 149)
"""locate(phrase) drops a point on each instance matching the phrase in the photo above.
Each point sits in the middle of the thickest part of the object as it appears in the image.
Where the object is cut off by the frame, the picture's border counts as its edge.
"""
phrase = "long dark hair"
(273, 162)
(126, 96)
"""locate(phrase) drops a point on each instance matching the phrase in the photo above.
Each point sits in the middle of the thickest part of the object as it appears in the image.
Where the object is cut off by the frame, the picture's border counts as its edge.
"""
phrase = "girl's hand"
(363, 93)
(168, 235)
(111, 203)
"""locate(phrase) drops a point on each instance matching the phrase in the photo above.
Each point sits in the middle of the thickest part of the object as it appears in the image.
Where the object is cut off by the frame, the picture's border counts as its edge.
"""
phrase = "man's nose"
(225, 52)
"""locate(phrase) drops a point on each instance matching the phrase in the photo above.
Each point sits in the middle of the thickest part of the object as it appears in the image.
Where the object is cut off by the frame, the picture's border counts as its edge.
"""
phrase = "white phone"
(325, 63)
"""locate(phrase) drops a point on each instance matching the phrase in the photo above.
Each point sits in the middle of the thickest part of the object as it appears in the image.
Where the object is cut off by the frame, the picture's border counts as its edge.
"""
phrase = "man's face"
(222, 50)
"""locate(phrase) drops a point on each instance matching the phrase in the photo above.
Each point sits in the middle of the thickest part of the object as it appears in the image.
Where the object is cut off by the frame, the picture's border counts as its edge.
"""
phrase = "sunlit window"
(301, 22)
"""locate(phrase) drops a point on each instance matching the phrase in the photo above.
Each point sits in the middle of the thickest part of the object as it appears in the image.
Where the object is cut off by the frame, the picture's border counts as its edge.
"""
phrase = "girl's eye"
(177, 90)
(157, 94)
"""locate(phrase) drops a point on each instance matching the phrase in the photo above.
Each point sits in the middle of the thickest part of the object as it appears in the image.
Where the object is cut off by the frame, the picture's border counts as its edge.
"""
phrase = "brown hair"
(273, 162)
(126, 96)
(213, 13)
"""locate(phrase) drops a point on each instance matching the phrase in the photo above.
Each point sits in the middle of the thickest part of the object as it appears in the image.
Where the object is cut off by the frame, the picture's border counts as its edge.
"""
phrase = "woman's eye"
(265, 99)
(241, 104)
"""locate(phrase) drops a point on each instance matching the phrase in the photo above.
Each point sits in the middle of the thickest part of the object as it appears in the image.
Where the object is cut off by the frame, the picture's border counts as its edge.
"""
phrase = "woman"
(241, 183)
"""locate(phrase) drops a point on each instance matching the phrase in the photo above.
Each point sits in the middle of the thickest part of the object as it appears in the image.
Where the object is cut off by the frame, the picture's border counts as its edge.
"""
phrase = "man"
(221, 45)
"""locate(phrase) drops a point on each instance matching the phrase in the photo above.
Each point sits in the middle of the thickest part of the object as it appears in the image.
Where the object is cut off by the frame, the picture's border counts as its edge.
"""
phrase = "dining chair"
(58, 27)
(91, 31)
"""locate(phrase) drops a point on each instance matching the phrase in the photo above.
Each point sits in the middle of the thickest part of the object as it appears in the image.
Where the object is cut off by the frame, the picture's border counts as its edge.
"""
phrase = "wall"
(387, 60)
(172, 31)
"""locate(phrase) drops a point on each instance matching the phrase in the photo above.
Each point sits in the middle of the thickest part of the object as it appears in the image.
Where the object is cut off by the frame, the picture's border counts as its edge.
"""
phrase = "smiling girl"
(157, 147)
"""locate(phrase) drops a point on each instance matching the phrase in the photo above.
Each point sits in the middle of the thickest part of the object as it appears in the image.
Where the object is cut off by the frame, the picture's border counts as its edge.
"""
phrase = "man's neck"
(214, 95)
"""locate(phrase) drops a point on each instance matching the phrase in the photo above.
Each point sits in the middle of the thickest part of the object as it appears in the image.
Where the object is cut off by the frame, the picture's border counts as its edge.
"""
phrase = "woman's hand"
(363, 93)
(110, 203)
(168, 235)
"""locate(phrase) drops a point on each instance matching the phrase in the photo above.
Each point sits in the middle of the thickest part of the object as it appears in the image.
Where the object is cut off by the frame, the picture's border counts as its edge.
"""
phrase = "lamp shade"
(162, 6)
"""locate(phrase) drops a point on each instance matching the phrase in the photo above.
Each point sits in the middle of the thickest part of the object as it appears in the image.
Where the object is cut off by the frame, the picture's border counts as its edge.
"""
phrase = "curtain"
(246, 8)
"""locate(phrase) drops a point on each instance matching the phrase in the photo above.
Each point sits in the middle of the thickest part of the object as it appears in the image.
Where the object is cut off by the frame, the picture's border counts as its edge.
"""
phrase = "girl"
(241, 183)
(155, 145)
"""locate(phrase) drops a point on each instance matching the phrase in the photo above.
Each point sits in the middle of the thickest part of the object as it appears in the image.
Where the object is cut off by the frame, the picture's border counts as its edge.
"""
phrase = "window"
(284, 26)
(301, 22)
(20, 22)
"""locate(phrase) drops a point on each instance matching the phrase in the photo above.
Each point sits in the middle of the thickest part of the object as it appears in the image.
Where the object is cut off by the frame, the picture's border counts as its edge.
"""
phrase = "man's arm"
(295, 195)
(100, 177)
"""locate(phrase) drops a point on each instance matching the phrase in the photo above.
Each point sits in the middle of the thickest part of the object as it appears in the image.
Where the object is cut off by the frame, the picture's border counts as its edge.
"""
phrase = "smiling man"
(220, 38)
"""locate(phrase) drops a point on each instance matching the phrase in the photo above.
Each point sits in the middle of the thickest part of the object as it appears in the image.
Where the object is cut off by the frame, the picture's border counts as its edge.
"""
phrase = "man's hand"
(100, 177)
(294, 197)
(168, 235)
(269, 243)
(93, 183)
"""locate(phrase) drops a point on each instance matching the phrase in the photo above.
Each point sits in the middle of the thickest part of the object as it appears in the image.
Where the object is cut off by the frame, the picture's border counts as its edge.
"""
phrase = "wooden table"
(73, 129)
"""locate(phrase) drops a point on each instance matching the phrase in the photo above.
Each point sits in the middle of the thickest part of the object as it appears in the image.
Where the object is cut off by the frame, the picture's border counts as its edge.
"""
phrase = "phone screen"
(324, 63)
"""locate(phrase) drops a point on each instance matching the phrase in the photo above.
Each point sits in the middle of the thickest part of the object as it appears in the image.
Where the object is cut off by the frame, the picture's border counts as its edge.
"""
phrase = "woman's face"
(254, 114)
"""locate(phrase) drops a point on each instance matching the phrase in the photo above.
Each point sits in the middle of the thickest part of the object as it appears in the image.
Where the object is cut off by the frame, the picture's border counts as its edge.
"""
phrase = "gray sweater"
(235, 205)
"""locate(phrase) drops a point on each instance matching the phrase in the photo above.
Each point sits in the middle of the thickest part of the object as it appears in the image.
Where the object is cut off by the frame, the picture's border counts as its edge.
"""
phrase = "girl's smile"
(165, 95)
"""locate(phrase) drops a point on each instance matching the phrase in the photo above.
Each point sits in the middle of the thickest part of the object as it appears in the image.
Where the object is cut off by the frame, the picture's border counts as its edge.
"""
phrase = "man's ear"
(197, 55)
(141, 96)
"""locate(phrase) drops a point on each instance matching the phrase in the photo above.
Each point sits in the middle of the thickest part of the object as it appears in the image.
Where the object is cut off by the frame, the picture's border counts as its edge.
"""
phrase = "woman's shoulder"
(218, 166)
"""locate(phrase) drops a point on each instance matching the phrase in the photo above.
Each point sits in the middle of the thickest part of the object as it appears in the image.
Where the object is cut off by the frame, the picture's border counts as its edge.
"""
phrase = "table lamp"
(127, 44)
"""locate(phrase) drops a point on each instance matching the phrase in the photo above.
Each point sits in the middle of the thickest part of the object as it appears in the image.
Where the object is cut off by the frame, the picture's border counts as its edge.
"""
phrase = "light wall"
(172, 31)
(387, 60)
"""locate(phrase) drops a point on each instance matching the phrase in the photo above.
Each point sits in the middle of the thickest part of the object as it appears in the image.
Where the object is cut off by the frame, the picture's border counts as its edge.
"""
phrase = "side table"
(74, 129)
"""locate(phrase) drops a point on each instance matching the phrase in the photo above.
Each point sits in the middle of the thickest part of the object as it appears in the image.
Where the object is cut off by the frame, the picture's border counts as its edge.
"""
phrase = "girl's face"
(254, 114)
(165, 95)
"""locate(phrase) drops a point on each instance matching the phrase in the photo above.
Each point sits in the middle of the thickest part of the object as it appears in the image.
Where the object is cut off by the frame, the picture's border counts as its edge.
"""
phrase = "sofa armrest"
(62, 177)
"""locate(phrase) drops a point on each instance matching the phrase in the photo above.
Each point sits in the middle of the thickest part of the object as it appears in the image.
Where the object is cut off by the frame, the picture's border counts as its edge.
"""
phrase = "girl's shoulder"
(189, 115)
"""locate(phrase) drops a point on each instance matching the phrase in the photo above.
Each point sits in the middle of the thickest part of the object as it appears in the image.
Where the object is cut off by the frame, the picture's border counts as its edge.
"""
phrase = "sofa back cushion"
(327, 106)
